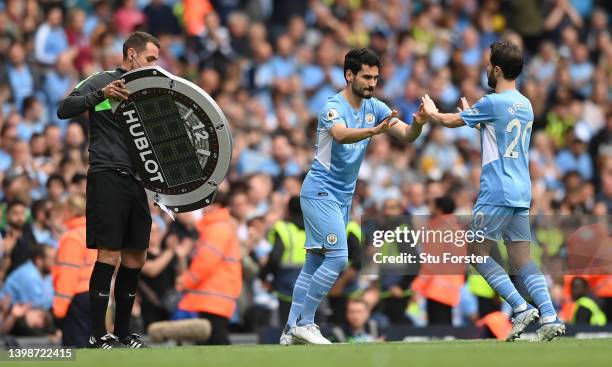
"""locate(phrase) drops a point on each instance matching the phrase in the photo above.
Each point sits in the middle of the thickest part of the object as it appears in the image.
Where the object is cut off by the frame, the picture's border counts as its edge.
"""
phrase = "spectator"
(128, 17)
(50, 40)
(24, 320)
(438, 156)
(30, 283)
(20, 77)
(161, 19)
(576, 158)
(586, 310)
(70, 275)
(212, 47)
(58, 83)
(257, 300)
(581, 70)
(78, 40)
(282, 163)
(322, 79)
(160, 273)
(8, 136)
(33, 120)
(56, 188)
(359, 328)
(238, 26)
(286, 259)
(19, 240)
(41, 233)
(213, 294)
(395, 282)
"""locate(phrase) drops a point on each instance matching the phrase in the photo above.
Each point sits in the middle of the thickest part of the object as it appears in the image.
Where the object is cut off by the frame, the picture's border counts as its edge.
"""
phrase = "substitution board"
(178, 137)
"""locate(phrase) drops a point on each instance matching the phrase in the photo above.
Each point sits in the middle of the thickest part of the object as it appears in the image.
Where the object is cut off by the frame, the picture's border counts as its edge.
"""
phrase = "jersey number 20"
(515, 123)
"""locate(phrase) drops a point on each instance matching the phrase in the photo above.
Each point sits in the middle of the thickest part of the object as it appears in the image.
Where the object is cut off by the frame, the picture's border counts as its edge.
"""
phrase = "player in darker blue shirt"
(347, 122)
(505, 120)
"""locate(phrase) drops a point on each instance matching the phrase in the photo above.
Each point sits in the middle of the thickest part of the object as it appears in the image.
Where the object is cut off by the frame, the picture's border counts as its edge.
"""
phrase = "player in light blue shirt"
(505, 120)
(347, 122)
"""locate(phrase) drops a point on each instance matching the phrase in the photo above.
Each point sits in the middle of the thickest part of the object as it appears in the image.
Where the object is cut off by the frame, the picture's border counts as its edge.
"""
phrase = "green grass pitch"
(564, 352)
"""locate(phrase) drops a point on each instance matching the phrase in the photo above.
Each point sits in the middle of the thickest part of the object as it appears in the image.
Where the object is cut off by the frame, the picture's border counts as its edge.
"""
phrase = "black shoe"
(133, 341)
(108, 341)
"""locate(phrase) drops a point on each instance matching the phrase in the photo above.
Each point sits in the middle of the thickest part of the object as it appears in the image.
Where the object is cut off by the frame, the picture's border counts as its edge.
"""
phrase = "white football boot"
(550, 331)
(308, 334)
(520, 321)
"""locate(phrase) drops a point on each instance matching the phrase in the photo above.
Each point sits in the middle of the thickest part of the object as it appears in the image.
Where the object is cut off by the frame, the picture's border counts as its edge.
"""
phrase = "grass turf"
(563, 352)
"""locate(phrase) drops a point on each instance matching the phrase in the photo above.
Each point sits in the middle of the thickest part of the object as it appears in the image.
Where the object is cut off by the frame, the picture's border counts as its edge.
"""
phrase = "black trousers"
(607, 307)
(337, 306)
(76, 326)
(283, 311)
(439, 313)
(487, 305)
(395, 309)
(219, 334)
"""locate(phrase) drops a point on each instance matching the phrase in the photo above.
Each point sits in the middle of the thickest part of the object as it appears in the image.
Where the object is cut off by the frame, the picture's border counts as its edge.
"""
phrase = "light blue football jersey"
(334, 170)
(506, 121)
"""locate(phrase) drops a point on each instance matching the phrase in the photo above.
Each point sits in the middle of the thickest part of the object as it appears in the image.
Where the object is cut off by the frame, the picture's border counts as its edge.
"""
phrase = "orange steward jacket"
(213, 281)
(74, 263)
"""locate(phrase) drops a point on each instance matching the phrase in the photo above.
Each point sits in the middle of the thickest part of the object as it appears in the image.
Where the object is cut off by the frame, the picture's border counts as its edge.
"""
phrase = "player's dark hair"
(355, 58)
(508, 57)
(138, 41)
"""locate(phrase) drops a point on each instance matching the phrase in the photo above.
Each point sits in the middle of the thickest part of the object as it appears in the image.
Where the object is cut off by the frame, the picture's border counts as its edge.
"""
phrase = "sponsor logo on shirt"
(356, 146)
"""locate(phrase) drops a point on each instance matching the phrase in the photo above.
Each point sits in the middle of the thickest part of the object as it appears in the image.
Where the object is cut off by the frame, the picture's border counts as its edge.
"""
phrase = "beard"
(361, 93)
(491, 80)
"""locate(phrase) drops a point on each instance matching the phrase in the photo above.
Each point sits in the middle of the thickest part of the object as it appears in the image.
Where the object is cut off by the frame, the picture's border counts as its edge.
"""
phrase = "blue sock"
(499, 280)
(538, 290)
(322, 281)
(312, 263)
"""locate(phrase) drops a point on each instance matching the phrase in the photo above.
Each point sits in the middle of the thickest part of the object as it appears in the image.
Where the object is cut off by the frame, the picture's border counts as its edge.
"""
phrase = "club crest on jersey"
(331, 114)
(369, 119)
(332, 238)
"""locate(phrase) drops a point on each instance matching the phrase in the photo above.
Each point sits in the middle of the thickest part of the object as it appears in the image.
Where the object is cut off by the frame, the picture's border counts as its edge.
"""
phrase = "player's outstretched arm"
(451, 120)
(348, 135)
(410, 133)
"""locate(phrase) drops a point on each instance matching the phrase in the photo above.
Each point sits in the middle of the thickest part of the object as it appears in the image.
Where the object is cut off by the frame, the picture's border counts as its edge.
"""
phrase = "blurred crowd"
(271, 65)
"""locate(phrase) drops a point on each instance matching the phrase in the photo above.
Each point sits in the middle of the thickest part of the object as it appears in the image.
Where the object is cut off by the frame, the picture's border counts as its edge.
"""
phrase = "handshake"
(429, 112)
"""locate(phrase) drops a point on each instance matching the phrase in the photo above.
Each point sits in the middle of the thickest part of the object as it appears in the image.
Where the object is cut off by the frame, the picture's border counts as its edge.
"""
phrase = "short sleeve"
(480, 112)
(381, 110)
(330, 116)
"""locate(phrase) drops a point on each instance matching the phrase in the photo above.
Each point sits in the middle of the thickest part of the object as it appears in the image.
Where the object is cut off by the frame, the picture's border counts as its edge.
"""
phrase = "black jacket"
(107, 149)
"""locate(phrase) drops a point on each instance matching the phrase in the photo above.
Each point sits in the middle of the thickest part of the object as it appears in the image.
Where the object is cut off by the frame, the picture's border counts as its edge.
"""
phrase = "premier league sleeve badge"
(179, 139)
